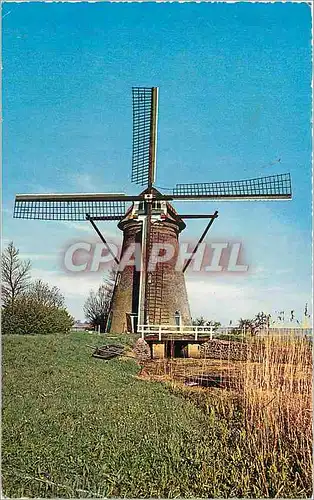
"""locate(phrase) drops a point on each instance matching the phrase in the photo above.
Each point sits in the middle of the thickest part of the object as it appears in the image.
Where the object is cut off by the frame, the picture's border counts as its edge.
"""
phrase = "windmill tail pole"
(200, 240)
(146, 259)
(102, 238)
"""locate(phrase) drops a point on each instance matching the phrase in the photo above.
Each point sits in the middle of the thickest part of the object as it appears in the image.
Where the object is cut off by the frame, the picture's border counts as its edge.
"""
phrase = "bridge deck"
(156, 337)
(175, 332)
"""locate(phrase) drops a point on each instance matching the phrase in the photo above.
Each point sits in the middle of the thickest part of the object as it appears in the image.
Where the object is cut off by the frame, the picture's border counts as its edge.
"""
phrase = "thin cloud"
(225, 301)
(77, 226)
(71, 286)
(83, 182)
(38, 256)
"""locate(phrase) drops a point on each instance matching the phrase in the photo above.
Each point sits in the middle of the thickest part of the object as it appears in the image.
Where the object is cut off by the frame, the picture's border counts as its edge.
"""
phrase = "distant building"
(82, 326)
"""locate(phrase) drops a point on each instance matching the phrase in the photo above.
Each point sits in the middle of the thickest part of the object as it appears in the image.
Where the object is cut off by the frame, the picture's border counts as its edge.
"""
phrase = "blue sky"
(235, 96)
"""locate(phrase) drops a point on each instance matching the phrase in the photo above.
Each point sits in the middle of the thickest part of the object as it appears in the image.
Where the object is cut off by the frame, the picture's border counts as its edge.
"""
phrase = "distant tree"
(245, 325)
(15, 275)
(253, 326)
(261, 320)
(45, 294)
(97, 304)
(306, 312)
(201, 321)
(214, 324)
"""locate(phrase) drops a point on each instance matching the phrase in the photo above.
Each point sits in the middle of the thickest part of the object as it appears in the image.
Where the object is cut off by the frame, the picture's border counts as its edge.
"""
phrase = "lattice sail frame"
(145, 103)
(273, 186)
(68, 210)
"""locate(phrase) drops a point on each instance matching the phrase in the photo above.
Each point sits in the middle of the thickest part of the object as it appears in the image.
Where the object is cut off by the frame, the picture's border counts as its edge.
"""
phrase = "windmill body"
(166, 296)
(155, 297)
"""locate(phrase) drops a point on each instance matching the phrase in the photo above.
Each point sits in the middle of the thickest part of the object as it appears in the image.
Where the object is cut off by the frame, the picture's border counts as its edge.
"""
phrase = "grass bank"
(75, 426)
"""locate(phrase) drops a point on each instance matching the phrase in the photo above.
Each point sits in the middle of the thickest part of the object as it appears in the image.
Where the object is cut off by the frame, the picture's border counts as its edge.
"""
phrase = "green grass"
(76, 426)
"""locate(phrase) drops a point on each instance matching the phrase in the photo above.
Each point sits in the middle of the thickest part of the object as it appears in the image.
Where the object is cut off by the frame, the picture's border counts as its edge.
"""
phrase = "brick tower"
(166, 296)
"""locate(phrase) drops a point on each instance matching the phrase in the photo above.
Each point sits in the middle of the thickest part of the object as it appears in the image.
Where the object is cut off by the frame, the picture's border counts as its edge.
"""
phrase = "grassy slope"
(75, 426)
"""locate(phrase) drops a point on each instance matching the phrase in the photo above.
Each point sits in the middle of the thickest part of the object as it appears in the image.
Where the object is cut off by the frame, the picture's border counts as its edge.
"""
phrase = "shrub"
(28, 316)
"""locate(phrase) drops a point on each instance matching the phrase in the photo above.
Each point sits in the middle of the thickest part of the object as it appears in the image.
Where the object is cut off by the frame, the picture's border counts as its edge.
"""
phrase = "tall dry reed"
(267, 397)
(275, 385)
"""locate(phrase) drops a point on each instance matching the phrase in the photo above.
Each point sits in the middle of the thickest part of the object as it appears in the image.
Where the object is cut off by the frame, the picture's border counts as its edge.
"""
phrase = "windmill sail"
(70, 206)
(263, 188)
(145, 103)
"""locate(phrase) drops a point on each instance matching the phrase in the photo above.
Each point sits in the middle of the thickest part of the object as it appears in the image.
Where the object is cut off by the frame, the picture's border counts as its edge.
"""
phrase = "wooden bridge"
(176, 332)
(204, 333)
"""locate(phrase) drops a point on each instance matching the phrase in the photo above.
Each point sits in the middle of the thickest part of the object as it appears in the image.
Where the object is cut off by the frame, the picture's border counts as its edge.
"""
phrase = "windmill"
(157, 296)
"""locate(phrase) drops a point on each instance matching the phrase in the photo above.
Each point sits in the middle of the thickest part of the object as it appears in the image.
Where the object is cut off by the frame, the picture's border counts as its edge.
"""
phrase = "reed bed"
(266, 402)
(277, 402)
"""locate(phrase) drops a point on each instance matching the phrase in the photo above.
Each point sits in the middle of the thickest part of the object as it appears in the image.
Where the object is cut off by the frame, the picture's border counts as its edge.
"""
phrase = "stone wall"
(222, 349)
(240, 351)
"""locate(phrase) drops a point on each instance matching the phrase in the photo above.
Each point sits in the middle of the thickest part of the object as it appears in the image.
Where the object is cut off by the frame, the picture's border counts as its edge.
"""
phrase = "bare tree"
(96, 307)
(46, 295)
(15, 274)
(97, 304)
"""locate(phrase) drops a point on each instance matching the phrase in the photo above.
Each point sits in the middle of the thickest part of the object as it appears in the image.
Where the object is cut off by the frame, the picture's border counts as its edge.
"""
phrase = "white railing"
(175, 330)
(208, 331)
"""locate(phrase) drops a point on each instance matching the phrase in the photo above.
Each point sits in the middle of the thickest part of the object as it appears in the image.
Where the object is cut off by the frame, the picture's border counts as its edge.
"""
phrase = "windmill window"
(177, 318)
(157, 205)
